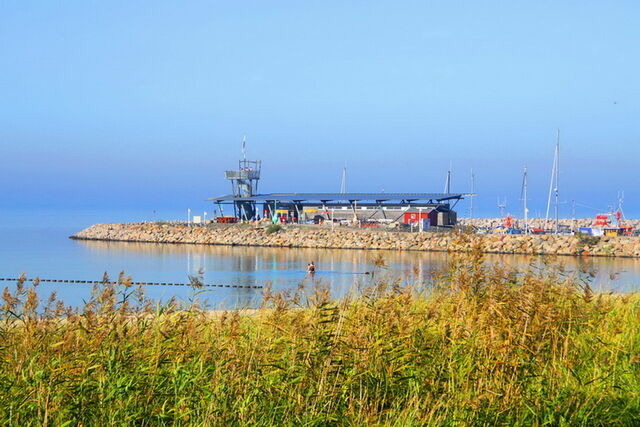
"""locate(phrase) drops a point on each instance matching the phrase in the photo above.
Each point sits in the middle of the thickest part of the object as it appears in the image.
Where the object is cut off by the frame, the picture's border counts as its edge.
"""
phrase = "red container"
(410, 217)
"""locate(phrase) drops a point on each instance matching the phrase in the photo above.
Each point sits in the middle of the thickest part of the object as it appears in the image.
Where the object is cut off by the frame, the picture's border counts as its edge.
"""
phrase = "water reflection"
(285, 268)
(48, 253)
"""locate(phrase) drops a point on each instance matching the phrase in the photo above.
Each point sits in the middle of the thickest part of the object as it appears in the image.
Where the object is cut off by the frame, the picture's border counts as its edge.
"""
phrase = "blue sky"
(140, 106)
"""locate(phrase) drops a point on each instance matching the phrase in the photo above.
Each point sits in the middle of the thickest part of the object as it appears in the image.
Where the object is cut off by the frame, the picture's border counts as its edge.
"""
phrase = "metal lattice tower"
(244, 181)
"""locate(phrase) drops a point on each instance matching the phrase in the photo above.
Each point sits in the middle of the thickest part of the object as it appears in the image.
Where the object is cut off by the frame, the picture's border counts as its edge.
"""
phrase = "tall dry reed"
(481, 346)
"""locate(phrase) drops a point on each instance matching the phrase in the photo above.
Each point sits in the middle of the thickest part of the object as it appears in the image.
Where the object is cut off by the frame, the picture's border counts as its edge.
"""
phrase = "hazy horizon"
(140, 107)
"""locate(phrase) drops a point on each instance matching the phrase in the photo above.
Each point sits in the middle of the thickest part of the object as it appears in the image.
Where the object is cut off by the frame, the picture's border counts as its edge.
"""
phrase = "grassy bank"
(480, 347)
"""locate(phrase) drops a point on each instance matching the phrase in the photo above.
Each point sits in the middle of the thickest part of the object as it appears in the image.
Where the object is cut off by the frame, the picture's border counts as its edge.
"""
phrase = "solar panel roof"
(347, 197)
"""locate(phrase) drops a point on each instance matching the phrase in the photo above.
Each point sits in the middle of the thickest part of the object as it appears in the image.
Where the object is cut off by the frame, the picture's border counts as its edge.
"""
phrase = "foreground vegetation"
(481, 346)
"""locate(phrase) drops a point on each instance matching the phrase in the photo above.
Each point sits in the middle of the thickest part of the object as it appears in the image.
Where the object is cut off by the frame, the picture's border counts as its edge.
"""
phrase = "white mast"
(447, 183)
(502, 206)
(473, 190)
(524, 200)
(557, 180)
(620, 202)
(343, 183)
(553, 184)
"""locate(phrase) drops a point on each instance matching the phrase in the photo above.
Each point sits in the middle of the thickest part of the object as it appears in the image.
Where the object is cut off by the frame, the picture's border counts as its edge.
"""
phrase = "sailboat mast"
(447, 184)
(553, 184)
(553, 175)
(473, 190)
(524, 197)
(557, 179)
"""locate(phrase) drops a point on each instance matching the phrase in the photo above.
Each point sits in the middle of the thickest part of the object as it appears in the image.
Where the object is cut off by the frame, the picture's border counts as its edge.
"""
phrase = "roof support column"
(295, 204)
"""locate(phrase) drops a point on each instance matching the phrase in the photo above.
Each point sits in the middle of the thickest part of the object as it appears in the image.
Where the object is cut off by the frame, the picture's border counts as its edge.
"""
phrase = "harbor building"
(434, 209)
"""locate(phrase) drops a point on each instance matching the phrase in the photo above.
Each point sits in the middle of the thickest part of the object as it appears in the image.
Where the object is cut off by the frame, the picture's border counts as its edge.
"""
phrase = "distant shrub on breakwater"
(273, 228)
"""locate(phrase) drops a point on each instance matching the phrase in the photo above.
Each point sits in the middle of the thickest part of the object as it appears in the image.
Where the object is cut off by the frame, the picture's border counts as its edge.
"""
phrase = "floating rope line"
(100, 282)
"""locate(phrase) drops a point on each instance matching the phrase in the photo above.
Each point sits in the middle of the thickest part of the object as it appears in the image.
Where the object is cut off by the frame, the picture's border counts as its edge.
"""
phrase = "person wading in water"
(311, 268)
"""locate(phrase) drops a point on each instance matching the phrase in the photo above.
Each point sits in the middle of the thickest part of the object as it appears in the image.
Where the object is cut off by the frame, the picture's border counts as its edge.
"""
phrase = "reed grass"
(481, 346)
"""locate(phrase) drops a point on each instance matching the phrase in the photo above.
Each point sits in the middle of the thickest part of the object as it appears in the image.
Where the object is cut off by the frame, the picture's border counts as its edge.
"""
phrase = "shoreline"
(315, 237)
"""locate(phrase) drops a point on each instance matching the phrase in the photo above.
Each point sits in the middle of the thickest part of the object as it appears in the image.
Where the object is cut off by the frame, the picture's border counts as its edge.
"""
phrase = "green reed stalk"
(480, 346)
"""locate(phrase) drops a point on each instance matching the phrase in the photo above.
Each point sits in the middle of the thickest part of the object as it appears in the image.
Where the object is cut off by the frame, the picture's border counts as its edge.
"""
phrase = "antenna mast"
(244, 147)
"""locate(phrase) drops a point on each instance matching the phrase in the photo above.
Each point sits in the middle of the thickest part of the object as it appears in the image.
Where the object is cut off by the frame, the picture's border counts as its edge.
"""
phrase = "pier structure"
(435, 208)
(429, 209)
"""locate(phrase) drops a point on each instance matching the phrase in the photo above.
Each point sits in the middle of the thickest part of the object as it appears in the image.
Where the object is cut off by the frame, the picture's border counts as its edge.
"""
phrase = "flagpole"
(244, 147)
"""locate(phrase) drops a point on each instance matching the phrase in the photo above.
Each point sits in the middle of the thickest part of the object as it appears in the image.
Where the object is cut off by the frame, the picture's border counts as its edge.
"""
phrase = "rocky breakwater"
(540, 222)
(350, 238)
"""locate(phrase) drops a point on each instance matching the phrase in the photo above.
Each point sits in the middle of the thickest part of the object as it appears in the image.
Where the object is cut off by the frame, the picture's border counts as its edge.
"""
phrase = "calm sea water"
(47, 252)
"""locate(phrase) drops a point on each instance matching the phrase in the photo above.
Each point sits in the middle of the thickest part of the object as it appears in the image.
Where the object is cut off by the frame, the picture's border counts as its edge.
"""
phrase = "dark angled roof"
(344, 197)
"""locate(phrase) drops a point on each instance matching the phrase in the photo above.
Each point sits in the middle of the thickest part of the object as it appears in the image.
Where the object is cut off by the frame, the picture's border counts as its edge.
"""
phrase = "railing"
(246, 174)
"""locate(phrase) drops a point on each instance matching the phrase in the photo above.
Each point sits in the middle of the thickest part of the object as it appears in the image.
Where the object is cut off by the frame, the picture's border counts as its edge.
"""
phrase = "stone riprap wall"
(538, 222)
(349, 238)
